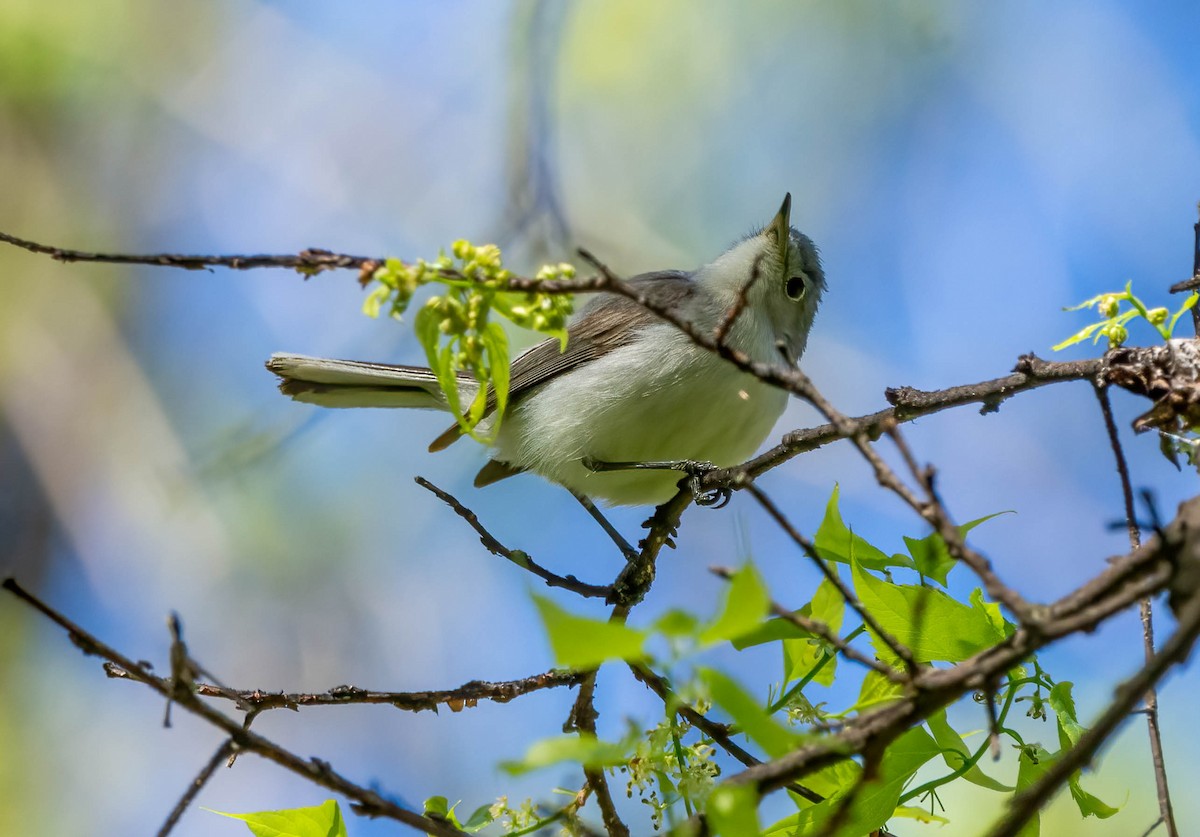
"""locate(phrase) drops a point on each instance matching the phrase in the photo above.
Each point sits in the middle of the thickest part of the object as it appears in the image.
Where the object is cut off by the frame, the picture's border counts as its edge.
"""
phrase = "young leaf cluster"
(1114, 321)
(456, 329)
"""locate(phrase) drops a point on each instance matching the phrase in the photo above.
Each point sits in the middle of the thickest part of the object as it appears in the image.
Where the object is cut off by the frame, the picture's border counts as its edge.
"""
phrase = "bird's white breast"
(660, 397)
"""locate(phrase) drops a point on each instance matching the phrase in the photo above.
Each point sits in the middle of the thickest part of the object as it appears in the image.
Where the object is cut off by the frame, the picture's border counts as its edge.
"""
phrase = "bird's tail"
(352, 383)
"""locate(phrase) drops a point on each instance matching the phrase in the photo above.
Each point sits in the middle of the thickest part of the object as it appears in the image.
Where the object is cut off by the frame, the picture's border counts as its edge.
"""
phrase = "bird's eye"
(795, 287)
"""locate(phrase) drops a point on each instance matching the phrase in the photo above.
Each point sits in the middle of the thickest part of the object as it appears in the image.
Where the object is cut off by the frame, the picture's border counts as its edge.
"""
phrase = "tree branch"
(223, 752)
(465, 696)
(318, 772)
(1135, 541)
(521, 559)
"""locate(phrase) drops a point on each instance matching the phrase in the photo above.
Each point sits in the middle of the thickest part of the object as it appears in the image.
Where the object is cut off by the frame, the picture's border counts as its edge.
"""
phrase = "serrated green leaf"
(733, 811)
(583, 749)
(746, 605)
(834, 541)
(579, 642)
(956, 754)
(875, 802)
(768, 733)
(324, 820)
(929, 623)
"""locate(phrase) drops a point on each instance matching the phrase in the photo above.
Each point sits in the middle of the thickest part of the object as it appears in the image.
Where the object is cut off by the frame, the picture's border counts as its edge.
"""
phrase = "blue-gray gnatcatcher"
(629, 388)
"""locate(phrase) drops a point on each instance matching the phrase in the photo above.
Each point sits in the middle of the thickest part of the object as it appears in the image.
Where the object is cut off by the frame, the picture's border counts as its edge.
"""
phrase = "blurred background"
(967, 171)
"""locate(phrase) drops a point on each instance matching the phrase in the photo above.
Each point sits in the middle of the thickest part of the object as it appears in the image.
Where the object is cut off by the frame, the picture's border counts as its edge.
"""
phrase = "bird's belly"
(630, 406)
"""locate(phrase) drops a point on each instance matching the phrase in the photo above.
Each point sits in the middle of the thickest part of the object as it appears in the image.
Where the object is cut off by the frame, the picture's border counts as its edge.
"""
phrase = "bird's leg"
(628, 551)
(693, 468)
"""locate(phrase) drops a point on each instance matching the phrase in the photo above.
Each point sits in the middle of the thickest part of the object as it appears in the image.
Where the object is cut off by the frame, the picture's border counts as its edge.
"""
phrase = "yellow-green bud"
(462, 249)
(1158, 316)
(1109, 305)
(1117, 334)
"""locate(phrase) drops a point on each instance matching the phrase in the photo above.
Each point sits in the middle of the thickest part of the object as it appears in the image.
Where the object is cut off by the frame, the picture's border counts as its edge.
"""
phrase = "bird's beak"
(781, 226)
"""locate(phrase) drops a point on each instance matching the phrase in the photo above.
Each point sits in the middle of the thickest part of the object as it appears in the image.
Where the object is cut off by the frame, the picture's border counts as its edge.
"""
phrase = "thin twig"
(832, 577)
(1152, 827)
(909, 404)
(822, 631)
(193, 789)
(1147, 617)
(521, 559)
(582, 719)
(319, 772)
(465, 696)
(739, 303)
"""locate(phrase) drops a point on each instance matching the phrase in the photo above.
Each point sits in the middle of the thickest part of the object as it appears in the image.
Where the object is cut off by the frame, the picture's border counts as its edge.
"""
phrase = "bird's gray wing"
(605, 323)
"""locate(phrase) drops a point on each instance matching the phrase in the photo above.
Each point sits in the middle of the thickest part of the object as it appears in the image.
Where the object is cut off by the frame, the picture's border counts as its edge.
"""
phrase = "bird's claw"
(717, 498)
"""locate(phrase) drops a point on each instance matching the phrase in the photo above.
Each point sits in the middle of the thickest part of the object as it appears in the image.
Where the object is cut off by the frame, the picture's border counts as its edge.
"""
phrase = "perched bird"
(632, 400)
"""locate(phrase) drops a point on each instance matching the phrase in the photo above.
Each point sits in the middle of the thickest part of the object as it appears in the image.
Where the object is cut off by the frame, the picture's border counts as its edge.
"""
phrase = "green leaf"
(876, 801)
(582, 643)
(1063, 703)
(439, 807)
(496, 342)
(1069, 733)
(932, 625)
(1188, 304)
(931, 556)
(1078, 337)
(583, 749)
(912, 812)
(991, 611)
(677, 623)
(324, 820)
(1088, 804)
(773, 630)
(956, 754)
(733, 811)
(480, 819)
(876, 690)
(768, 733)
(800, 656)
(1031, 764)
(835, 542)
(746, 603)
(832, 780)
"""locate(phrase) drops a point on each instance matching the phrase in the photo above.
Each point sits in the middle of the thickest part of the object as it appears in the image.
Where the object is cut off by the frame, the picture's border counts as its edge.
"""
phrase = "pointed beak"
(781, 226)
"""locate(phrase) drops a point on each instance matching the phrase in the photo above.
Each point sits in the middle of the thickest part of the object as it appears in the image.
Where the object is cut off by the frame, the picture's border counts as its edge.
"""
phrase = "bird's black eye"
(795, 287)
